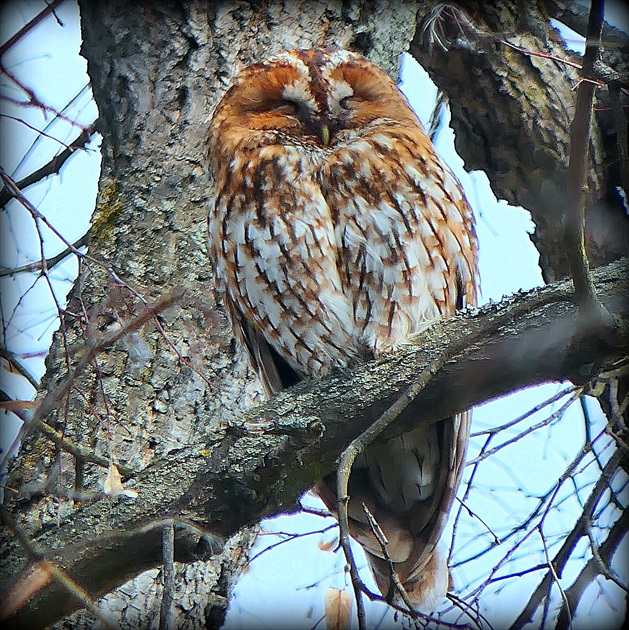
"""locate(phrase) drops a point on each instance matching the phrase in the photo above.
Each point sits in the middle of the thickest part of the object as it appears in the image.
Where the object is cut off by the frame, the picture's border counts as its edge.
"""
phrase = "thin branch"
(528, 413)
(18, 367)
(555, 578)
(473, 514)
(574, 217)
(28, 125)
(481, 622)
(393, 576)
(532, 53)
(49, 263)
(29, 26)
(289, 537)
(541, 510)
(166, 613)
(565, 552)
(357, 583)
(591, 569)
(53, 166)
(358, 445)
(516, 438)
(34, 100)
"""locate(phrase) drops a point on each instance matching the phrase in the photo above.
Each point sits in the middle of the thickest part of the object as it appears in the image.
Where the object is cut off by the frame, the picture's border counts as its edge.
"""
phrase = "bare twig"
(29, 26)
(532, 53)
(539, 514)
(34, 100)
(564, 553)
(542, 423)
(356, 447)
(529, 412)
(476, 516)
(394, 577)
(288, 537)
(166, 616)
(53, 166)
(555, 578)
(481, 622)
(49, 262)
(591, 569)
(18, 367)
(82, 453)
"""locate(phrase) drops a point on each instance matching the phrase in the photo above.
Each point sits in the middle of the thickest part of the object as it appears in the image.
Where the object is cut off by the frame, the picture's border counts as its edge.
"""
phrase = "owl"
(336, 233)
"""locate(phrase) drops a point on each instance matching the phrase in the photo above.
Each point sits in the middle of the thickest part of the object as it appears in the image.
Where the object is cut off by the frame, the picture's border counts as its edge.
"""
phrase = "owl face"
(314, 96)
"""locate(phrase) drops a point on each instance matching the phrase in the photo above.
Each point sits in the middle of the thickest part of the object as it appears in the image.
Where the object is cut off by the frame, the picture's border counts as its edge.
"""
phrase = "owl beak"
(324, 134)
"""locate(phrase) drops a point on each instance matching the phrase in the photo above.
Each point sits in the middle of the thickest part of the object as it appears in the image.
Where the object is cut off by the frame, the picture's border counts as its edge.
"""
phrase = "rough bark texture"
(511, 113)
(157, 71)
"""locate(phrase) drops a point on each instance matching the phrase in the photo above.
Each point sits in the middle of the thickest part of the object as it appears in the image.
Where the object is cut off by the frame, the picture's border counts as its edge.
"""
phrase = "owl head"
(316, 97)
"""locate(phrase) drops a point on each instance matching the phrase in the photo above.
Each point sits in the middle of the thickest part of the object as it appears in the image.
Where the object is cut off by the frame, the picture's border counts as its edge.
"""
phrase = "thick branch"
(576, 16)
(261, 465)
(512, 103)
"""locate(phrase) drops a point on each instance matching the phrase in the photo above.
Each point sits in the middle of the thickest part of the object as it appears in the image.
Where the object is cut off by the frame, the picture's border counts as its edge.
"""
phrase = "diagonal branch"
(260, 466)
(49, 263)
(29, 26)
(567, 548)
(53, 166)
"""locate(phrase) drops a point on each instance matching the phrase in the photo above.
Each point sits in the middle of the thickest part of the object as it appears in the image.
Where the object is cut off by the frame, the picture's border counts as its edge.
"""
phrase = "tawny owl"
(337, 232)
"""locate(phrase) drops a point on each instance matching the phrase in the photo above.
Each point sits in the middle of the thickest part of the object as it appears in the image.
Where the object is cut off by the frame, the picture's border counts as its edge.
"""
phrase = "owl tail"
(420, 565)
(396, 501)
(426, 589)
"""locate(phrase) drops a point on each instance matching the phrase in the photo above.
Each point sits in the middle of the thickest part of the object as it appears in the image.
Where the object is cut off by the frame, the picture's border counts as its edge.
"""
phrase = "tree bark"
(511, 113)
(157, 70)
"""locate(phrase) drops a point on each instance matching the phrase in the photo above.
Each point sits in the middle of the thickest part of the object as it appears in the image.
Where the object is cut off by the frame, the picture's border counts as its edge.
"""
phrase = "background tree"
(143, 366)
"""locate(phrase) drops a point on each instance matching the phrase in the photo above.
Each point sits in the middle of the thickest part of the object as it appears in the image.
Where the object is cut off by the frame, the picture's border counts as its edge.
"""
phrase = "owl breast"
(401, 227)
(274, 245)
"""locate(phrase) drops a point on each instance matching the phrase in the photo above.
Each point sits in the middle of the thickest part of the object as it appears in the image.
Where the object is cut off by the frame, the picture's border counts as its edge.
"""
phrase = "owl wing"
(272, 242)
(274, 371)
(407, 255)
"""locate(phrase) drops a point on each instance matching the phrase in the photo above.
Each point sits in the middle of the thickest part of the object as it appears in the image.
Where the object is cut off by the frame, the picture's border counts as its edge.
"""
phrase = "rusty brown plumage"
(337, 232)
